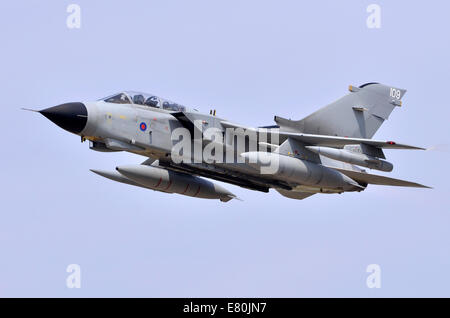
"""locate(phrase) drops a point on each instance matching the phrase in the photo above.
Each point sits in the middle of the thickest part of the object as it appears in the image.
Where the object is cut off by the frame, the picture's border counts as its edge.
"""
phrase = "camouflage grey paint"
(358, 114)
(304, 168)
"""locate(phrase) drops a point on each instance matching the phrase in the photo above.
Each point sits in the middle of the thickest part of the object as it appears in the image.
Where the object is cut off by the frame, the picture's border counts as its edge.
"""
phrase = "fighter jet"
(324, 152)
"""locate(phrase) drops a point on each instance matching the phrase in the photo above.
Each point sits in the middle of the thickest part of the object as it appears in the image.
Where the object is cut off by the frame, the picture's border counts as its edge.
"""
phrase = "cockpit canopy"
(144, 99)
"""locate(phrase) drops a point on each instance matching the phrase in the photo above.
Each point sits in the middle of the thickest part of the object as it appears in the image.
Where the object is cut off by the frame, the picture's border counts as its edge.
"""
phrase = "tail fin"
(358, 114)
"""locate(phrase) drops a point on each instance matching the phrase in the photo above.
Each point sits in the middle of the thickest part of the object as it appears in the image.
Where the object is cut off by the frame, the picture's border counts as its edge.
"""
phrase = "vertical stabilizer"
(359, 114)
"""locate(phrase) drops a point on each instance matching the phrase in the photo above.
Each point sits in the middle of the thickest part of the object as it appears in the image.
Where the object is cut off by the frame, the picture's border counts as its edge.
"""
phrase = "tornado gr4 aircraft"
(321, 153)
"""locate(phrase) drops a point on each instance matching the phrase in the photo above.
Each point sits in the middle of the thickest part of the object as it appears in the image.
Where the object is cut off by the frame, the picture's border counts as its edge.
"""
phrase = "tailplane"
(368, 178)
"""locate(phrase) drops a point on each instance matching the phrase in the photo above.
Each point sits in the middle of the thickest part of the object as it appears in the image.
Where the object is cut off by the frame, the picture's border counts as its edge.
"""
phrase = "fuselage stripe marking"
(198, 190)
(187, 187)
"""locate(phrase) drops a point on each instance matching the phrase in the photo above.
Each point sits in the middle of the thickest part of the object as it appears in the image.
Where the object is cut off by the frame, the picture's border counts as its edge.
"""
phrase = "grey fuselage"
(119, 127)
(291, 158)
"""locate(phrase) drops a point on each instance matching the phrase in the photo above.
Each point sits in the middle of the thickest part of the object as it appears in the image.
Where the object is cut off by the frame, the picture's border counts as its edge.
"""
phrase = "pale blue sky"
(250, 60)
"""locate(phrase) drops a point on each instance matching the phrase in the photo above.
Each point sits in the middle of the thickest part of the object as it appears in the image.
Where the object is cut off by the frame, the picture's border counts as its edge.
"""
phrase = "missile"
(164, 180)
(353, 158)
(303, 172)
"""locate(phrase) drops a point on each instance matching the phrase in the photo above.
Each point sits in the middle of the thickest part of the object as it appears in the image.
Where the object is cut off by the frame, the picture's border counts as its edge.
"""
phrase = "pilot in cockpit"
(144, 100)
(138, 99)
(152, 101)
(121, 98)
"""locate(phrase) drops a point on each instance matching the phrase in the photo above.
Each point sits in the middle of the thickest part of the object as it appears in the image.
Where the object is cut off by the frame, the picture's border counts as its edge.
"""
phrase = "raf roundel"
(143, 126)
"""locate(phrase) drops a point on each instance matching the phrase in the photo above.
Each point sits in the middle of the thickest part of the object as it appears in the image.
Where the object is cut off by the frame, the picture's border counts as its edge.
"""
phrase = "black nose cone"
(71, 116)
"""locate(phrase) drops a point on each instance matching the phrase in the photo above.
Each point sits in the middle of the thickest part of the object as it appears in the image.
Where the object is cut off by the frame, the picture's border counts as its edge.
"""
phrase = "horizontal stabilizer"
(379, 180)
